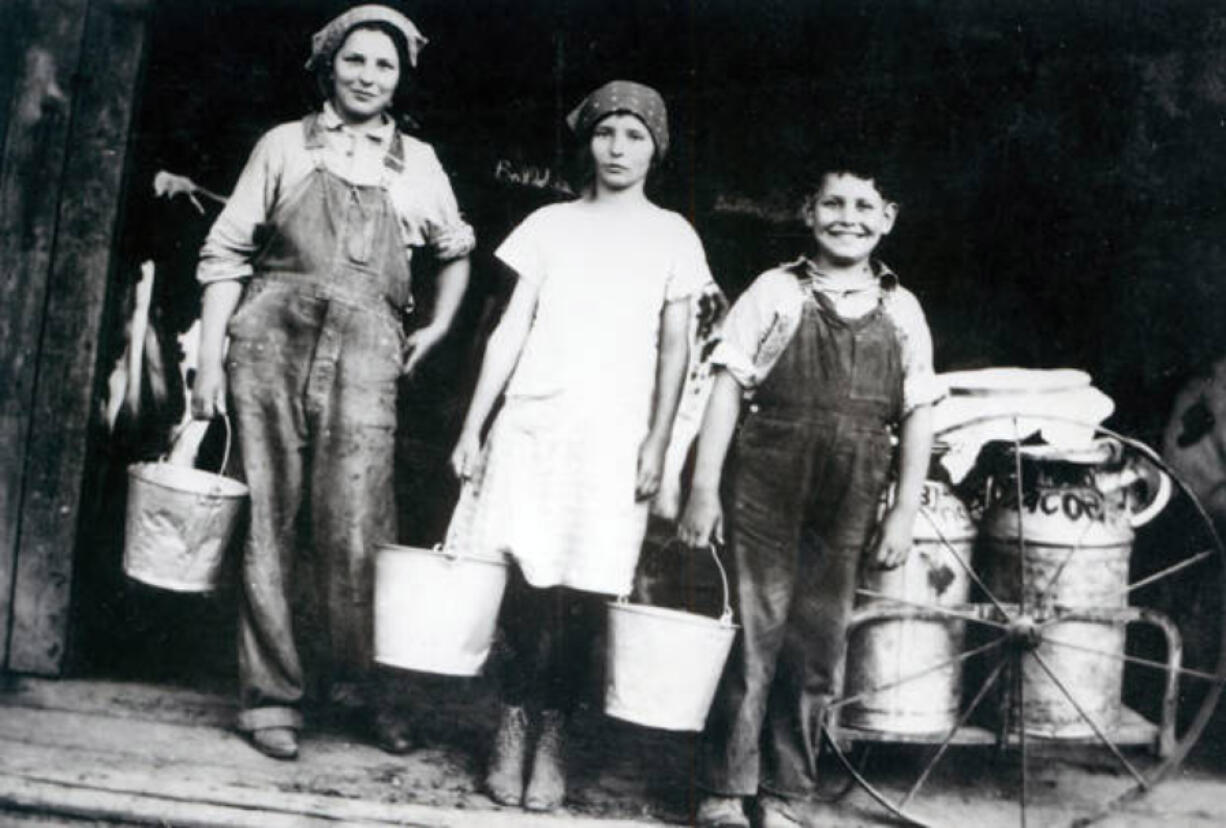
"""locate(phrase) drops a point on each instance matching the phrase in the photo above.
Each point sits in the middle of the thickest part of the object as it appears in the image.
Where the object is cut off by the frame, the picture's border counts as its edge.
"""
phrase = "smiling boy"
(835, 359)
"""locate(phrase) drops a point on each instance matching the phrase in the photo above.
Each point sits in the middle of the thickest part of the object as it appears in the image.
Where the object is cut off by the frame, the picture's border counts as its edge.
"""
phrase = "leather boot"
(778, 812)
(277, 742)
(504, 781)
(716, 811)
(547, 786)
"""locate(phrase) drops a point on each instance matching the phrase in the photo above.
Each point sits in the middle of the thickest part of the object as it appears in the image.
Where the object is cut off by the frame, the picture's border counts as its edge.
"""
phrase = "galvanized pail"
(179, 523)
(663, 665)
(435, 609)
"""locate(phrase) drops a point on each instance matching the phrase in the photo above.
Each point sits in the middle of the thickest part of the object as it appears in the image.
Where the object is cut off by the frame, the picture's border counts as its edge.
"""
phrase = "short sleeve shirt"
(763, 320)
(420, 193)
(602, 282)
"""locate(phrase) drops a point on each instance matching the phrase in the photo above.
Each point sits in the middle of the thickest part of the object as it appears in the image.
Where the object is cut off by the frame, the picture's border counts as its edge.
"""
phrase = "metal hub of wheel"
(1024, 633)
(1082, 673)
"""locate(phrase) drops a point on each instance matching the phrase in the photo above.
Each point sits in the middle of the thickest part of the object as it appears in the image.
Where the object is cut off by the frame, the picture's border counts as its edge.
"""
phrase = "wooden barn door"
(68, 77)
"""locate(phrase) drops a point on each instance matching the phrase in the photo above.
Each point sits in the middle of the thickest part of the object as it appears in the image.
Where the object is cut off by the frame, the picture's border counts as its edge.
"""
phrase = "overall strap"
(314, 139)
(393, 161)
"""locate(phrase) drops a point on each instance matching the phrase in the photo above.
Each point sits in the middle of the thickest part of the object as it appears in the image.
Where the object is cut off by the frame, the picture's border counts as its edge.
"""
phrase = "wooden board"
(10, 26)
(80, 273)
(122, 700)
(98, 767)
(36, 138)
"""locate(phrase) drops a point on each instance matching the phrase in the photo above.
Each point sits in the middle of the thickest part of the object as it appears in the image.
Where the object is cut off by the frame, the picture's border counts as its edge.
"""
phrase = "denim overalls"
(313, 363)
(811, 461)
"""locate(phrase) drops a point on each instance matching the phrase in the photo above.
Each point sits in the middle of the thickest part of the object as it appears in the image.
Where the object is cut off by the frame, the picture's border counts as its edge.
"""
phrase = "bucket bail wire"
(436, 609)
(663, 666)
(179, 519)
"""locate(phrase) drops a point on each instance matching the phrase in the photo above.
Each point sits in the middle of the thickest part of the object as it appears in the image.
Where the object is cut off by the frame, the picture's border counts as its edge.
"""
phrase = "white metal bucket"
(663, 665)
(179, 523)
(436, 611)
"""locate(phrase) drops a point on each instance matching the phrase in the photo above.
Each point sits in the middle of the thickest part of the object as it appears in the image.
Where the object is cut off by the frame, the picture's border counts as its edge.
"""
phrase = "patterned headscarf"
(633, 98)
(327, 40)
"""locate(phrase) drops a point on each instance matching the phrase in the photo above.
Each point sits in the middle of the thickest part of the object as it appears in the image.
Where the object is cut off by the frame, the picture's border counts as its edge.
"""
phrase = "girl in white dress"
(591, 353)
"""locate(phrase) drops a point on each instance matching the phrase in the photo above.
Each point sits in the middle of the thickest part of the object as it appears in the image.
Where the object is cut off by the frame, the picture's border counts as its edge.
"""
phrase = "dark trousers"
(551, 634)
(804, 500)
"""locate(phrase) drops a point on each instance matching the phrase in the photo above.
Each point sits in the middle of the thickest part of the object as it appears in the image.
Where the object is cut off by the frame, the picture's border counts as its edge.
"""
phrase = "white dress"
(555, 484)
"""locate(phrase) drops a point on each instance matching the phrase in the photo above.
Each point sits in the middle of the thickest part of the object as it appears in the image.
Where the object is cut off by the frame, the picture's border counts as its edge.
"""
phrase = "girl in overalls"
(591, 352)
(835, 355)
(307, 272)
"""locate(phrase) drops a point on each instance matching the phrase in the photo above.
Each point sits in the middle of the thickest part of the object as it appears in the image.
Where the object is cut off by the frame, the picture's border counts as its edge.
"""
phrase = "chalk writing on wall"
(746, 206)
(529, 175)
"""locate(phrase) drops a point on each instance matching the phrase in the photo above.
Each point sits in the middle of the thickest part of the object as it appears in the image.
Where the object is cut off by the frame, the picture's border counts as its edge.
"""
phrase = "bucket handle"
(182, 429)
(725, 617)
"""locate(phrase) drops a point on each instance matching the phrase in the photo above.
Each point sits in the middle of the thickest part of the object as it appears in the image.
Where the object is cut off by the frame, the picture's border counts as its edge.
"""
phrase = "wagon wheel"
(1022, 656)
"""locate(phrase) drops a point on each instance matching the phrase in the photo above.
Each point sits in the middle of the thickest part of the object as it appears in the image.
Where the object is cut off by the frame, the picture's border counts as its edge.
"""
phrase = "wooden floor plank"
(95, 804)
(120, 699)
(142, 768)
(34, 778)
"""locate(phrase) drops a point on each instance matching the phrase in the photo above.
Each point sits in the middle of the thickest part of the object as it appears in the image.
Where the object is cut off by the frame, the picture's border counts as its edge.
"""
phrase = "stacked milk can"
(1035, 536)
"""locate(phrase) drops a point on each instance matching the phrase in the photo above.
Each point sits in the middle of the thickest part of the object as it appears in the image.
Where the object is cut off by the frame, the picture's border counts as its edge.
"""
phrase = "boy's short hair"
(874, 168)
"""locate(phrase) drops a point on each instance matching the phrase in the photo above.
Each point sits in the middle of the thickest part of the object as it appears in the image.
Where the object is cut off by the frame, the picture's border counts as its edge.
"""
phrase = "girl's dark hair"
(324, 73)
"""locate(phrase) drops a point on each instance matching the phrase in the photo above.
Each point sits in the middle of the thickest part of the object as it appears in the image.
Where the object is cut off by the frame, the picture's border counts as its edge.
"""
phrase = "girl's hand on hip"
(417, 345)
(702, 522)
(650, 469)
(209, 391)
(465, 455)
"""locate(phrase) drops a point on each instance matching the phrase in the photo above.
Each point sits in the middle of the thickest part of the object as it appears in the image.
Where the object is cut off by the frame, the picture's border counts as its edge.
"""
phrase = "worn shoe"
(391, 733)
(777, 812)
(277, 742)
(716, 811)
(504, 781)
(547, 787)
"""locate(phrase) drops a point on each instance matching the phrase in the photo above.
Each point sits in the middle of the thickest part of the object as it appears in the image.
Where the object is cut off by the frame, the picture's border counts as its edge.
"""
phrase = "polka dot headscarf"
(633, 98)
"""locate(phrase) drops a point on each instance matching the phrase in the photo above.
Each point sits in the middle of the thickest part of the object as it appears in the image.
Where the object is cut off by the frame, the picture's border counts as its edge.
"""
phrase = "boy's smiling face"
(849, 217)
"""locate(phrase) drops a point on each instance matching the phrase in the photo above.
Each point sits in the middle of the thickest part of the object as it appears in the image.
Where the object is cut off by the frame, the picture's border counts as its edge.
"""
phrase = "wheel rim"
(1018, 645)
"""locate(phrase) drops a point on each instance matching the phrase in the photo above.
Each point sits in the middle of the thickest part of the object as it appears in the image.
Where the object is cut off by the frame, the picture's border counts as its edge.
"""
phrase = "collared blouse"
(421, 193)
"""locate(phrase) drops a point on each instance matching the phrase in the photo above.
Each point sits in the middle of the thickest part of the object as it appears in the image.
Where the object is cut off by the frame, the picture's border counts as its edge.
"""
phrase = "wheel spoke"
(962, 719)
(1143, 662)
(966, 567)
(868, 786)
(1098, 731)
(940, 665)
(936, 608)
(1021, 736)
(1160, 574)
(1021, 534)
(1073, 549)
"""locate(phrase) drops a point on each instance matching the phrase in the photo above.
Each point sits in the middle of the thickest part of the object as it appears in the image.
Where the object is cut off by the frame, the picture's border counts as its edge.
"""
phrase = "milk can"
(902, 652)
(1077, 525)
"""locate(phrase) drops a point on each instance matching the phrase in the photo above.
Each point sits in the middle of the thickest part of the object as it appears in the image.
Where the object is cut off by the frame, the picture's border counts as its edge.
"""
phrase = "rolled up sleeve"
(920, 383)
(231, 243)
(759, 326)
(442, 227)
